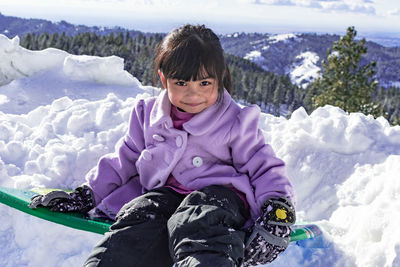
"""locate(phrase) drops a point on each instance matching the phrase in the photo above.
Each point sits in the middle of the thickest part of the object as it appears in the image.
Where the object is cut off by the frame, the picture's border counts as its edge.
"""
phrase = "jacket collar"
(199, 124)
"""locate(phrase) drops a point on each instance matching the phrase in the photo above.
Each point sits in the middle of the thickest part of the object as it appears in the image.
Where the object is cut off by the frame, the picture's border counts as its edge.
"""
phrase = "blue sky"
(224, 16)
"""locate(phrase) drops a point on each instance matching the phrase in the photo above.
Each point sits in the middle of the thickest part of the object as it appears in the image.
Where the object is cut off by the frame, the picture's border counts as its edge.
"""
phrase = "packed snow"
(59, 113)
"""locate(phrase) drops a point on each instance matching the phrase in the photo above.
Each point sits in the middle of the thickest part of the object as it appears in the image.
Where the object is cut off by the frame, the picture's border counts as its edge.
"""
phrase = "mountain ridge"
(298, 55)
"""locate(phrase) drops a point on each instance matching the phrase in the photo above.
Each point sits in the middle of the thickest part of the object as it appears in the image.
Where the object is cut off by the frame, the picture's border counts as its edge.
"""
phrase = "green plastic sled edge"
(20, 199)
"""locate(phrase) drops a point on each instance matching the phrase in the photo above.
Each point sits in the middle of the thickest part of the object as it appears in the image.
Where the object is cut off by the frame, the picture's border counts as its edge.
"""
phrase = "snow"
(254, 56)
(59, 113)
(3, 99)
(306, 70)
(234, 35)
(282, 37)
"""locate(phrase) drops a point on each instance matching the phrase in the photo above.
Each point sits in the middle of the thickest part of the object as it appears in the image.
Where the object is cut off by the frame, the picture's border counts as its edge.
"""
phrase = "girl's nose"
(192, 90)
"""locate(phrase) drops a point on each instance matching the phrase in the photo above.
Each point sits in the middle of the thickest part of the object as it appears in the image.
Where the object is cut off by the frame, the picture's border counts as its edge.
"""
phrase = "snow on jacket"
(222, 145)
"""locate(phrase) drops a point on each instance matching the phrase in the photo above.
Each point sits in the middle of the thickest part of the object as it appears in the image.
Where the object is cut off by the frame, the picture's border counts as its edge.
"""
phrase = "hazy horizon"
(223, 16)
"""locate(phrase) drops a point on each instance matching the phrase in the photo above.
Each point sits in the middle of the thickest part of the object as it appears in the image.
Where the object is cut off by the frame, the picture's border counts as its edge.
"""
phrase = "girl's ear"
(162, 78)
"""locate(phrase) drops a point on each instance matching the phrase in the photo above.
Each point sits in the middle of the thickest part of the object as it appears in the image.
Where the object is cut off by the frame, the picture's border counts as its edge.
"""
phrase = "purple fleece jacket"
(222, 145)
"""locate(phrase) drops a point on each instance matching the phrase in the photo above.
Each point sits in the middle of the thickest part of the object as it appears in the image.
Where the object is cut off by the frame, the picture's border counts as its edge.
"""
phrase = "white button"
(179, 141)
(158, 138)
(147, 155)
(197, 161)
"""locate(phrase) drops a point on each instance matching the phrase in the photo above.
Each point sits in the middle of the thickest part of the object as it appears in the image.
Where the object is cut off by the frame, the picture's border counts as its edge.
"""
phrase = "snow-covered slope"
(344, 167)
(293, 54)
(302, 71)
(305, 70)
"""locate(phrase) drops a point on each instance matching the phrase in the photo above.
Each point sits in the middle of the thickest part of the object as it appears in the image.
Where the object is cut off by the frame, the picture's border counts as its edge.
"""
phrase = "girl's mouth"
(193, 104)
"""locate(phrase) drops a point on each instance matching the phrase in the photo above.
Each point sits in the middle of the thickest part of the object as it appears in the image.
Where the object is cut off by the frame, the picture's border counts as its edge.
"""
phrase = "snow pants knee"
(163, 227)
(205, 229)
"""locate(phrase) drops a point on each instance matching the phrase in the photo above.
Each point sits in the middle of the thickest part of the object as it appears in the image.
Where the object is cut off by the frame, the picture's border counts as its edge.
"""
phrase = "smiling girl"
(193, 182)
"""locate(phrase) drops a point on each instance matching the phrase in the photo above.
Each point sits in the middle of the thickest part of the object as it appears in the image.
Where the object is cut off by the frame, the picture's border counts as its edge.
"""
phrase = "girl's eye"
(180, 83)
(205, 83)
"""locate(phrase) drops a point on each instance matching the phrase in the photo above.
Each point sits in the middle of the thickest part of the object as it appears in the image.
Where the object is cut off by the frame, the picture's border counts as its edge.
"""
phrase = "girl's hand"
(270, 234)
(81, 200)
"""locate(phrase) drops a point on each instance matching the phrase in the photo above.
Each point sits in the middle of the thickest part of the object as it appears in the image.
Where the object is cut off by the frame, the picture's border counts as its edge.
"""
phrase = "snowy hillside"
(59, 113)
(302, 71)
(300, 55)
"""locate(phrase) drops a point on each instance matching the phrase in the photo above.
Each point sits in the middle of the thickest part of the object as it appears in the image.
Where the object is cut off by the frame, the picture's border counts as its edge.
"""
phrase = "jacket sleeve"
(253, 157)
(116, 169)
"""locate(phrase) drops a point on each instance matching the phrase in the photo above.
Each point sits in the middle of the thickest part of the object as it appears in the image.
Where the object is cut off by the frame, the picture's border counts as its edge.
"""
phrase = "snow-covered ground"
(59, 113)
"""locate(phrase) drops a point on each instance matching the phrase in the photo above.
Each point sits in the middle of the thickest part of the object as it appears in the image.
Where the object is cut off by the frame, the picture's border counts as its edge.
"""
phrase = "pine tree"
(344, 82)
(279, 94)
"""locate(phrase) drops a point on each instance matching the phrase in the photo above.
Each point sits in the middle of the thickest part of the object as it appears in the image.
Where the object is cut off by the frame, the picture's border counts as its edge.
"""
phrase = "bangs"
(192, 53)
(193, 61)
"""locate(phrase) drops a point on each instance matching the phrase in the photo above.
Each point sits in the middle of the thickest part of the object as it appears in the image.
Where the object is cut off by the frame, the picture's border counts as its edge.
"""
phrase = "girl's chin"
(193, 109)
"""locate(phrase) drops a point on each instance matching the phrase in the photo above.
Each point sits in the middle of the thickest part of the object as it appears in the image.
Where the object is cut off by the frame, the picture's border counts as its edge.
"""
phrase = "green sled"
(20, 199)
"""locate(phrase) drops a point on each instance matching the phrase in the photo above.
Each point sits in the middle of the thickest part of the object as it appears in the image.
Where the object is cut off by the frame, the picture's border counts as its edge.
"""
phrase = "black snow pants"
(163, 227)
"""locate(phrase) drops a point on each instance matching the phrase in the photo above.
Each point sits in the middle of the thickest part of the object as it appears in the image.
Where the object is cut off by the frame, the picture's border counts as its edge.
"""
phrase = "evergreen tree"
(27, 41)
(344, 82)
(279, 94)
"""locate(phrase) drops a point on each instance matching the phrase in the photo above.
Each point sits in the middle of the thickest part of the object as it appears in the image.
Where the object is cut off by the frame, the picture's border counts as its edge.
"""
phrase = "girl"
(192, 176)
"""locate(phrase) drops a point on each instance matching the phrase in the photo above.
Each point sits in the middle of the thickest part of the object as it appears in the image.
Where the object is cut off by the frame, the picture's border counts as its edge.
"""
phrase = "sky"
(224, 16)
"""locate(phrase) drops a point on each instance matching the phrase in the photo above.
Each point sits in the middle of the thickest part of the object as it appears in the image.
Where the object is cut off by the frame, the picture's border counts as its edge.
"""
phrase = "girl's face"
(191, 96)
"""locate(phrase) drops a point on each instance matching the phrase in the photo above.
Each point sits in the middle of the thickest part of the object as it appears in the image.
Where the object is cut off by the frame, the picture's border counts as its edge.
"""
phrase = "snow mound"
(35, 78)
(18, 62)
(107, 70)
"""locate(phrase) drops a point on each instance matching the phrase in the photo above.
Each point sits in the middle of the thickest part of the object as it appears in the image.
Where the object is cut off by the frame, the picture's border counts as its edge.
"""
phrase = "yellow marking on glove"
(281, 214)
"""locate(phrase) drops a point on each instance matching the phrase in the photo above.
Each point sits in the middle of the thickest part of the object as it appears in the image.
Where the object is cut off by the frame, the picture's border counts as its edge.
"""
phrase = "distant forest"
(251, 84)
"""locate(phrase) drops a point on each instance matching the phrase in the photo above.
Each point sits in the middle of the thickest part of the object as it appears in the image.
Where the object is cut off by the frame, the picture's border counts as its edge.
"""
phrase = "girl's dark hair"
(193, 52)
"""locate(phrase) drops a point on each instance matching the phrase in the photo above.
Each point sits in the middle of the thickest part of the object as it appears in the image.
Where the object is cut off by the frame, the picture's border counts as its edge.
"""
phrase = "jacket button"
(158, 138)
(197, 161)
(146, 155)
(179, 141)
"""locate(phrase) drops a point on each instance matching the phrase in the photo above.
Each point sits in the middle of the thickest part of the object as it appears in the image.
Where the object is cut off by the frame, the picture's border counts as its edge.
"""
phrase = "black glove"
(80, 200)
(270, 234)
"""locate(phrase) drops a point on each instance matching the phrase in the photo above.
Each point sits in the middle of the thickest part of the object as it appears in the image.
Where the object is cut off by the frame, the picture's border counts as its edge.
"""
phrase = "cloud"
(394, 12)
(132, 2)
(275, 2)
(349, 6)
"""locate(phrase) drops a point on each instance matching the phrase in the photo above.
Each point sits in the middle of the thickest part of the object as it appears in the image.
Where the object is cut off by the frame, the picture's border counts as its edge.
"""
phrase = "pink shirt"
(178, 119)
